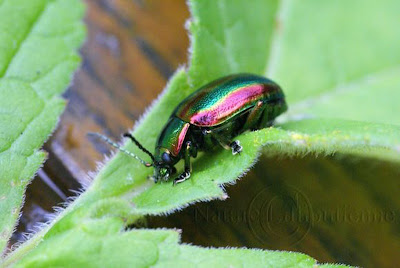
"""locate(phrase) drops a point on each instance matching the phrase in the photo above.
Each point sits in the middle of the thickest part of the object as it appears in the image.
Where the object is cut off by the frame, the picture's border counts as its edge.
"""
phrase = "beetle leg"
(236, 147)
(254, 116)
(220, 139)
(269, 114)
(224, 144)
(189, 150)
(206, 131)
(265, 121)
(152, 178)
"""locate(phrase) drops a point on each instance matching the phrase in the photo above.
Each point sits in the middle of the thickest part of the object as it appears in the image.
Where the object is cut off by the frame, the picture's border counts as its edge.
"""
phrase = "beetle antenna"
(115, 145)
(141, 147)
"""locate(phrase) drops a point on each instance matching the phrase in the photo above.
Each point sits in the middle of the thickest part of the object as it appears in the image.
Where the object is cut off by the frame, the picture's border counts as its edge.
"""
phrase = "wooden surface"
(133, 47)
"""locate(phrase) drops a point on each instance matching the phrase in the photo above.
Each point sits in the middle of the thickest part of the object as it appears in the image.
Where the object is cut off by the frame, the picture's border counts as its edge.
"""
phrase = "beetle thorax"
(172, 137)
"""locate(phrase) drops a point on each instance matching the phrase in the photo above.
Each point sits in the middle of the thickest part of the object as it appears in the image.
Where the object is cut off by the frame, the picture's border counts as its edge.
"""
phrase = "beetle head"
(164, 164)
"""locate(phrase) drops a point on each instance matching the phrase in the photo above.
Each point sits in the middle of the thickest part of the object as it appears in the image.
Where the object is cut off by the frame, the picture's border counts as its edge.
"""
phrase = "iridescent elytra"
(214, 115)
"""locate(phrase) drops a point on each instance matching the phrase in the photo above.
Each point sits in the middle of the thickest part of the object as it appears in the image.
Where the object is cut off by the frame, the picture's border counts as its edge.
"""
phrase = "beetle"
(211, 116)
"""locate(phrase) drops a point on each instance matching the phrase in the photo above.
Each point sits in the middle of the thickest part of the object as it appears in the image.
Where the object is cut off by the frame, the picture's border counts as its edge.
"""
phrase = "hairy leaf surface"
(100, 243)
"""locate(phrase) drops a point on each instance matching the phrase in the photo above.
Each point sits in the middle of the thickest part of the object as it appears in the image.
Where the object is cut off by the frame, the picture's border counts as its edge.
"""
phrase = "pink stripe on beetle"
(181, 138)
(233, 102)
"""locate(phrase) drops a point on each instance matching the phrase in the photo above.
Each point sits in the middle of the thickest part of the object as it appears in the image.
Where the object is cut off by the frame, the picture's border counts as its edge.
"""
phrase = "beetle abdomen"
(224, 98)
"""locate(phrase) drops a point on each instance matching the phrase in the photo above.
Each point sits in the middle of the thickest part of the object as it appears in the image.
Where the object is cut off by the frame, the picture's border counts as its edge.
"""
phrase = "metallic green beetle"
(212, 116)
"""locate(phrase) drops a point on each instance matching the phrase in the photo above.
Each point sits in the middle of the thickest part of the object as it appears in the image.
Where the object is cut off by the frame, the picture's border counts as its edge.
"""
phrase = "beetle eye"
(166, 158)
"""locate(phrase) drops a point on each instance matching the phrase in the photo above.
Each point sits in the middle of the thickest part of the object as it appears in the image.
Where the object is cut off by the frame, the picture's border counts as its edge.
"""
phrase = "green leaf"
(101, 243)
(333, 63)
(38, 54)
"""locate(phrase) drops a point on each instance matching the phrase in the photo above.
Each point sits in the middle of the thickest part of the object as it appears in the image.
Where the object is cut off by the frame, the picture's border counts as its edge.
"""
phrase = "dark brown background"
(322, 207)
